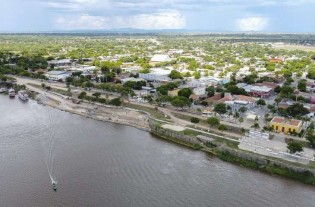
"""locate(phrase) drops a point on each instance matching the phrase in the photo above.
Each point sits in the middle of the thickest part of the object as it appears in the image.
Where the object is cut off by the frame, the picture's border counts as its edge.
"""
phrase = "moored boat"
(23, 95)
(11, 93)
(2, 90)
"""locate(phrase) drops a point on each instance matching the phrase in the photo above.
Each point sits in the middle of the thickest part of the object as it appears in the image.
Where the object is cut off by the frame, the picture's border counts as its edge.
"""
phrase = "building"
(156, 75)
(124, 80)
(261, 91)
(58, 63)
(276, 60)
(159, 58)
(57, 75)
(200, 91)
(268, 84)
(206, 81)
(213, 99)
(283, 125)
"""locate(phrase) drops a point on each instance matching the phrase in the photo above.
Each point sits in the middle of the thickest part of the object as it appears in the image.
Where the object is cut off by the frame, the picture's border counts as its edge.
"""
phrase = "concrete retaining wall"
(169, 133)
(265, 160)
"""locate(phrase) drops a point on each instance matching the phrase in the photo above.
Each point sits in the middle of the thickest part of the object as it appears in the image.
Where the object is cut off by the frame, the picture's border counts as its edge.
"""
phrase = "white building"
(84, 68)
(156, 75)
(57, 75)
(158, 58)
(57, 63)
(206, 81)
(124, 80)
(200, 91)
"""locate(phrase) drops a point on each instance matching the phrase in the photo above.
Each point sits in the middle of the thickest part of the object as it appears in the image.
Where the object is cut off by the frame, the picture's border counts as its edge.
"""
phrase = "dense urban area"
(251, 92)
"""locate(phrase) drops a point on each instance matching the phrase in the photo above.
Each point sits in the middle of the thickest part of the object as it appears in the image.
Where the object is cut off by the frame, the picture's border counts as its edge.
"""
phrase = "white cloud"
(83, 22)
(252, 24)
(162, 20)
(166, 19)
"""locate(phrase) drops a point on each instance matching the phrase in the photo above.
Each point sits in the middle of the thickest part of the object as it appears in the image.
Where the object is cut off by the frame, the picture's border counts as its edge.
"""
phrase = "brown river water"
(104, 164)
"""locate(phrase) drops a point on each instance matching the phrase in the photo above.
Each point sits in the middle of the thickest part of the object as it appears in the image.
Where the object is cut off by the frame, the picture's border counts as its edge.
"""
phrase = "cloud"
(252, 24)
(164, 19)
(83, 22)
(171, 19)
(214, 15)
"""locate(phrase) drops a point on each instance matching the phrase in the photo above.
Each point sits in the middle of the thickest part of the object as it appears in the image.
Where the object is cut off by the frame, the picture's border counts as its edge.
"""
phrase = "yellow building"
(280, 124)
(173, 92)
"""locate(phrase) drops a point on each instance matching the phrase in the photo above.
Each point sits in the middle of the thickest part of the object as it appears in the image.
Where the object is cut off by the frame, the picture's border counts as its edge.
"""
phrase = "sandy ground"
(173, 127)
(95, 111)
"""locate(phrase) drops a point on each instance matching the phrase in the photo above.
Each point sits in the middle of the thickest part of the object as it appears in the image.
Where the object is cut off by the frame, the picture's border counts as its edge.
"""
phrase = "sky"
(291, 16)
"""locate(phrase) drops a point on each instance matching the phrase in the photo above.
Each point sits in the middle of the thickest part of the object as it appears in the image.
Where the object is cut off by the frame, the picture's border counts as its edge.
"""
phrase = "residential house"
(213, 99)
(285, 103)
(227, 97)
(268, 84)
(200, 91)
(283, 125)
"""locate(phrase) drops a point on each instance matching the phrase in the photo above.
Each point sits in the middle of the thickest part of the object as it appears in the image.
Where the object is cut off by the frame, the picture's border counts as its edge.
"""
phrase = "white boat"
(2, 90)
(11, 93)
(23, 95)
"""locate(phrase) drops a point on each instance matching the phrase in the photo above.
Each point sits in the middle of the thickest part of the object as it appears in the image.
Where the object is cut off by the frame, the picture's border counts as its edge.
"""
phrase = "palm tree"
(241, 120)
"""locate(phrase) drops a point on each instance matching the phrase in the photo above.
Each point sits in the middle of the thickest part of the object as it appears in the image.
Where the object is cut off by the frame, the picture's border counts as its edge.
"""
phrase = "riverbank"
(100, 112)
(139, 119)
(231, 153)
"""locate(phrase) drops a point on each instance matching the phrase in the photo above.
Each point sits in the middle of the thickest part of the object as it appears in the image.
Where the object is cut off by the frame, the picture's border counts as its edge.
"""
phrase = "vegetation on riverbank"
(306, 178)
(178, 141)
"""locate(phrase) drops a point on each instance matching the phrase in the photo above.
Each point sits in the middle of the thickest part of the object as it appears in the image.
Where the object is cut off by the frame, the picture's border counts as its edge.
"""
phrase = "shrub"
(194, 120)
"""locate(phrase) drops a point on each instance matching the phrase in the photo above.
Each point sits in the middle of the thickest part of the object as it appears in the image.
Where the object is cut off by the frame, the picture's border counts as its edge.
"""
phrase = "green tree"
(261, 102)
(197, 75)
(310, 136)
(277, 89)
(255, 125)
(185, 92)
(175, 75)
(241, 120)
(222, 127)
(213, 121)
(296, 109)
(115, 102)
(178, 103)
(82, 95)
(96, 95)
(286, 91)
(220, 108)
(242, 109)
(302, 85)
(294, 146)
(194, 120)
(210, 91)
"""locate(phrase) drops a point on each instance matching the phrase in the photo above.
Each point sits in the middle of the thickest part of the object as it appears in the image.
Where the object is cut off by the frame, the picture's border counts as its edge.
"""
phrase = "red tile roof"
(281, 120)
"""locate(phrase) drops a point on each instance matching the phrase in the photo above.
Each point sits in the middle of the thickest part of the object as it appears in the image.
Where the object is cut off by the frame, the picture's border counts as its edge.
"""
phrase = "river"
(104, 164)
